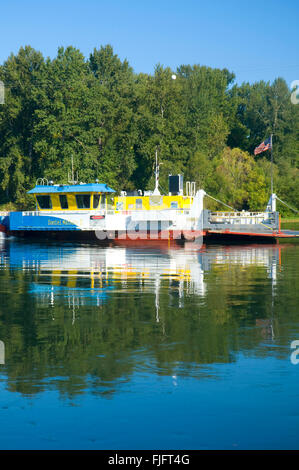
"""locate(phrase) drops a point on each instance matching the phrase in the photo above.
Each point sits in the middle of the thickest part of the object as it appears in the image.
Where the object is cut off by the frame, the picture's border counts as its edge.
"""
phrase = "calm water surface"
(173, 348)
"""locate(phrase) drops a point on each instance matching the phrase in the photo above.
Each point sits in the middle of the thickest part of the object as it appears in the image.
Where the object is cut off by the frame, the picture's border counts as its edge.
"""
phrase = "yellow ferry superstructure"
(152, 203)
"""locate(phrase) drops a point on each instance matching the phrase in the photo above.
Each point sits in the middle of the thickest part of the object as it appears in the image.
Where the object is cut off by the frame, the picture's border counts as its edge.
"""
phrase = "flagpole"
(271, 166)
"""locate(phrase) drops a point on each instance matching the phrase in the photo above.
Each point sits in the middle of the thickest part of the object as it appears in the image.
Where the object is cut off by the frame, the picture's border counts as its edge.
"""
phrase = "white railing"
(135, 214)
(164, 214)
(142, 214)
(30, 212)
(241, 217)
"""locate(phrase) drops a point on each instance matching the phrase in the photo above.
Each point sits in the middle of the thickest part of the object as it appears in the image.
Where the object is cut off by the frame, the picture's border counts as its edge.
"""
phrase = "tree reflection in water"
(77, 317)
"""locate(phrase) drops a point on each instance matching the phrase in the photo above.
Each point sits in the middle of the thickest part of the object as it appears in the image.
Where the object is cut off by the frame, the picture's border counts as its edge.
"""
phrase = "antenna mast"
(71, 180)
(271, 164)
(156, 190)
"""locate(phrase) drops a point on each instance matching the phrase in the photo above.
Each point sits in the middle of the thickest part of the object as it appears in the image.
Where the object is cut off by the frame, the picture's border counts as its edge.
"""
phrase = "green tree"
(117, 132)
(243, 182)
(20, 73)
(160, 125)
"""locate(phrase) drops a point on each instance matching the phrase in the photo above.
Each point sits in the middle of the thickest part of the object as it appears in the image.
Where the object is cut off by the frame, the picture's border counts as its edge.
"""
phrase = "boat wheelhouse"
(60, 208)
(77, 197)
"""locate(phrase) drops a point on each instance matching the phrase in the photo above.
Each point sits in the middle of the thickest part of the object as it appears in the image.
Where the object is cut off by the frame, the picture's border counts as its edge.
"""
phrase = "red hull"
(279, 234)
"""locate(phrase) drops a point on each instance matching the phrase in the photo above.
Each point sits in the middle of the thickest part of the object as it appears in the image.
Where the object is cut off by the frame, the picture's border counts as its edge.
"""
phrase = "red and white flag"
(267, 144)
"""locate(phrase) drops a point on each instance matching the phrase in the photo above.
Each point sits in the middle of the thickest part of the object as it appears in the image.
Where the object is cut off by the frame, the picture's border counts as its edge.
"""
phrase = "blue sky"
(255, 39)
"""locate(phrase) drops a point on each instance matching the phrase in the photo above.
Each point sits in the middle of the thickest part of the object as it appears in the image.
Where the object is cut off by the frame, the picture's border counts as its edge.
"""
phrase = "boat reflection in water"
(86, 274)
(167, 311)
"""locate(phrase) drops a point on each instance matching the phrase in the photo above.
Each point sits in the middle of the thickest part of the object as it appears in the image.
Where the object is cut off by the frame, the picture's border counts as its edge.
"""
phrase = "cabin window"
(156, 200)
(63, 201)
(119, 206)
(174, 205)
(83, 201)
(103, 201)
(96, 200)
(138, 203)
(44, 202)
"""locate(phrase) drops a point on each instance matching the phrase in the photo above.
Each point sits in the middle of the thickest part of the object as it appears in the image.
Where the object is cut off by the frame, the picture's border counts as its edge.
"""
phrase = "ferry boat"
(93, 211)
(85, 211)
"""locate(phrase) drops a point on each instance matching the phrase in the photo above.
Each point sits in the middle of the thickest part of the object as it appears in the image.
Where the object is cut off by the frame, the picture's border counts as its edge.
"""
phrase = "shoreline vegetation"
(111, 120)
(290, 224)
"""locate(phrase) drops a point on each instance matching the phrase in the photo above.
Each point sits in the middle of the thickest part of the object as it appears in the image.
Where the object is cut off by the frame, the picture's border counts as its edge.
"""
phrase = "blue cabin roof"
(72, 188)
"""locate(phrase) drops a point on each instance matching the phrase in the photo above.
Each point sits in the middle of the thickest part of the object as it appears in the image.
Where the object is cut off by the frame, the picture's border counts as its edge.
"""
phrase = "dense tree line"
(111, 120)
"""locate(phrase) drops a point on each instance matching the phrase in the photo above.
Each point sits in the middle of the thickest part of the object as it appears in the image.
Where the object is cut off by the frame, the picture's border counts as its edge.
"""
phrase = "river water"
(158, 348)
